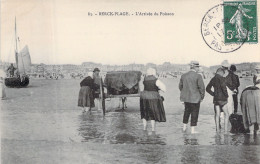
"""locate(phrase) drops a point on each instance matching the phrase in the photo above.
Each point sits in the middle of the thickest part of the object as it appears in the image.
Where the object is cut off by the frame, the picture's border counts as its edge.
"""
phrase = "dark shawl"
(88, 81)
(250, 106)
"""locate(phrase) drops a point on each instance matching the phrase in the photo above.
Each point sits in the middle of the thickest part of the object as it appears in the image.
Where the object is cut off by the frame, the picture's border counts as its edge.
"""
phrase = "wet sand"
(31, 152)
(42, 124)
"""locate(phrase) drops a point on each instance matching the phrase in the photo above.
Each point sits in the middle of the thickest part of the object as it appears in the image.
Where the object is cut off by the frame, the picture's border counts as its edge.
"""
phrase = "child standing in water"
(220, 97)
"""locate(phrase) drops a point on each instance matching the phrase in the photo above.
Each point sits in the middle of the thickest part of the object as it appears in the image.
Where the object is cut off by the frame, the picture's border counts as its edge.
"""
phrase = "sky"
(61, 32)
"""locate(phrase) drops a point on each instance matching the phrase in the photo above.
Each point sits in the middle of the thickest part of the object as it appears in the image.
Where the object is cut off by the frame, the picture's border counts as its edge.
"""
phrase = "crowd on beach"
(225, 91)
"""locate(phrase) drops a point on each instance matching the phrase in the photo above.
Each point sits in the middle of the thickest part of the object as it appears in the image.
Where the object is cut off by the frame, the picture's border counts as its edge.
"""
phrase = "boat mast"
(16, 50)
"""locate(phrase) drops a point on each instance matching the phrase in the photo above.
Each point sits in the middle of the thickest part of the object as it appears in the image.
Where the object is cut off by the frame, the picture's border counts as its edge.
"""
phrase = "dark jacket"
(250, 106)
(88, 81)
(150, 83)
(192, 87)
(220, 89)
(232, 81)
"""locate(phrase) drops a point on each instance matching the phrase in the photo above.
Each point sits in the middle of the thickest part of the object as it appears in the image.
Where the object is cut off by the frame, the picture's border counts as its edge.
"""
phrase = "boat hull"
(15, 82)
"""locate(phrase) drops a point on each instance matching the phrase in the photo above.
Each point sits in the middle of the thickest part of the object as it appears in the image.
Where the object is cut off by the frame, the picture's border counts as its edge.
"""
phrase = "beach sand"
(42, 124)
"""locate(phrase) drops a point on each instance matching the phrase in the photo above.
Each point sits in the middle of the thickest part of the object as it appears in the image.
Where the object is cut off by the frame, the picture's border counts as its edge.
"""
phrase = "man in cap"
(192, 93)
(233, 84)
(230, 105)
(97, 82)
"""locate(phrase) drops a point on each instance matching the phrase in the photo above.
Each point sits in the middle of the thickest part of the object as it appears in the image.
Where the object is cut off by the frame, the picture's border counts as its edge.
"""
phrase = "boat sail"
(23, 63)
(24, 60)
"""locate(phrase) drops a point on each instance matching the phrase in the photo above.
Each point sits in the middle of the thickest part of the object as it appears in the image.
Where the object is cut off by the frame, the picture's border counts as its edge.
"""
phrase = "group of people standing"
(225, 84)
(151, 103)
(225, 91)
(89, 91)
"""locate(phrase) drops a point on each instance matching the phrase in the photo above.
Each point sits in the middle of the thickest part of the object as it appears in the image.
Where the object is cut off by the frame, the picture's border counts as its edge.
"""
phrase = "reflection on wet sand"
(221, 139)
(123, 128)
(190, 139)
(190, 154)
(250, 152)
(233, 151)
(116, 128)
(153, 153)
(236, 139)
(251, 139)
(89, 127)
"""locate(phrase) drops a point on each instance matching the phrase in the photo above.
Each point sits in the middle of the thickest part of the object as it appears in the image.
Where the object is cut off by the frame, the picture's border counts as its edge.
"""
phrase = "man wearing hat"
(230, 105)
(97, 82)
(233, 84)
(192, 93)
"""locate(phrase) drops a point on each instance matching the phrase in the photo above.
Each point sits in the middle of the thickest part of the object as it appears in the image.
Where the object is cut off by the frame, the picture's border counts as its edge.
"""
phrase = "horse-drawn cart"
(120, 84)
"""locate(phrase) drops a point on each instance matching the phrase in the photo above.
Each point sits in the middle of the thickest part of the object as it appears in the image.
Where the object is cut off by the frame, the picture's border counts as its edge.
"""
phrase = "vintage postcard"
(129, 81)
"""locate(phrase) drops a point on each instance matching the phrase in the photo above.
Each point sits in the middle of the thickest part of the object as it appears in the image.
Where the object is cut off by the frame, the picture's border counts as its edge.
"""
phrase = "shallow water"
(47, 111)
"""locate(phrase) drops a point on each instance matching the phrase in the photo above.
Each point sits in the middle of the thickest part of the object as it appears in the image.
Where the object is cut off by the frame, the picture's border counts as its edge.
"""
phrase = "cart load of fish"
(122, 82)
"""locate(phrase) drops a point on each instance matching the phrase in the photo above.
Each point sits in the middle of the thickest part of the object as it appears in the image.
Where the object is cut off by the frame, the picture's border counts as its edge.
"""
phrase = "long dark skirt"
(86, 98)
(151, 106)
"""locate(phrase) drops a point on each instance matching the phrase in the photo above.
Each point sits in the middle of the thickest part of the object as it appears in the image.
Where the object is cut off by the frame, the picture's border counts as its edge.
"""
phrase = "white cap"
(194, 64)
(257, 67)
(225, 64)
(151, 71)
(90, 74)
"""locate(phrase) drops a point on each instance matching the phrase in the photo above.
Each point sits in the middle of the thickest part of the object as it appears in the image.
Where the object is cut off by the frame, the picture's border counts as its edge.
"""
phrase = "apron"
(230, 104)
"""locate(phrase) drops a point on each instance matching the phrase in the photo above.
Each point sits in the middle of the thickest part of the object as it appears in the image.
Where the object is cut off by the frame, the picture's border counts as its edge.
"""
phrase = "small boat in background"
(23, 63)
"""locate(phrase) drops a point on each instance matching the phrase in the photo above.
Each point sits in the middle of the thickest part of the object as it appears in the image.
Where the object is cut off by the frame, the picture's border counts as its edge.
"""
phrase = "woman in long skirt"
(86, 98)
(151, 103)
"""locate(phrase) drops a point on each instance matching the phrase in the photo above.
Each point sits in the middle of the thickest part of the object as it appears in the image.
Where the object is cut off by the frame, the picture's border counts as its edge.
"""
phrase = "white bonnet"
(90, 74)
(151, 71)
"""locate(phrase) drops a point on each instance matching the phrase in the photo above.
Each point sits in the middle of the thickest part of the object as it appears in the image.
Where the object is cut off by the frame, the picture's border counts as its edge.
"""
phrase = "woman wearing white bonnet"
(151, 103)
(2, 85)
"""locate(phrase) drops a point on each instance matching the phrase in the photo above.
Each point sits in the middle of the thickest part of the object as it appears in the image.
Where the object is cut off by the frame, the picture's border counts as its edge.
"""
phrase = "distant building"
(152, 65)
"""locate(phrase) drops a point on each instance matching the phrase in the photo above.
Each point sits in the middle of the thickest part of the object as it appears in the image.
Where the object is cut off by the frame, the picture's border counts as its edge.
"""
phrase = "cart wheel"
(104, 106)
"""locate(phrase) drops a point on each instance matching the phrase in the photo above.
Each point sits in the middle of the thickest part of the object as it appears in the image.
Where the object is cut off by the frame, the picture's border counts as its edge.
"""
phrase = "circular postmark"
(213, 31)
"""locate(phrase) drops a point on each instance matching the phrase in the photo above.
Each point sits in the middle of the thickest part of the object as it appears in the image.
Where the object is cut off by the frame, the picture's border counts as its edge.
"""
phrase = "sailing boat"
(23, 63)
